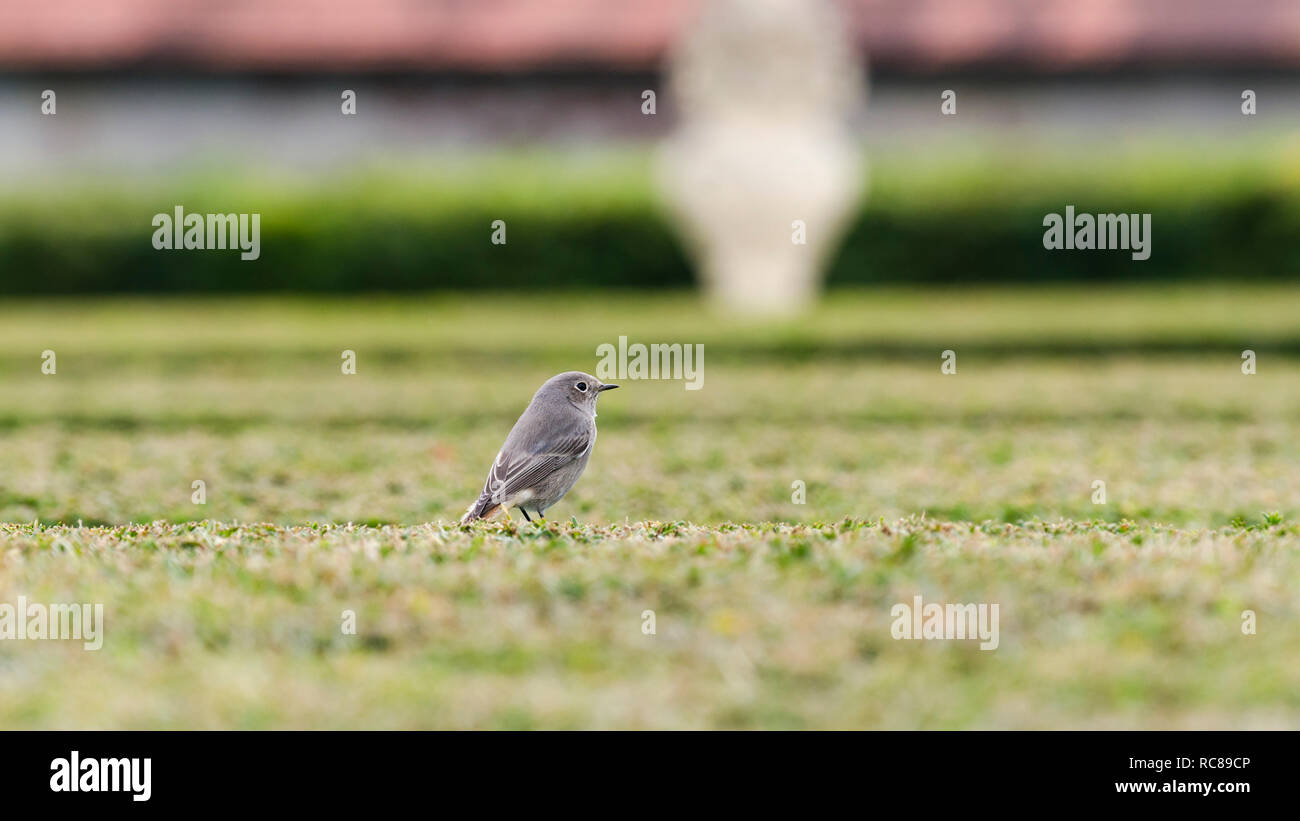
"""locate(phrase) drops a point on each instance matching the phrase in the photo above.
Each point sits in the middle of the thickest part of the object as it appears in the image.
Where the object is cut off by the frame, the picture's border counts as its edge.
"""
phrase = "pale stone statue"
(763, 170)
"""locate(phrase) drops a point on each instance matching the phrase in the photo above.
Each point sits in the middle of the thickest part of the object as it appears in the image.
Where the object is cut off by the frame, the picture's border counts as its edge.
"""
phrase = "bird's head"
(578, 388)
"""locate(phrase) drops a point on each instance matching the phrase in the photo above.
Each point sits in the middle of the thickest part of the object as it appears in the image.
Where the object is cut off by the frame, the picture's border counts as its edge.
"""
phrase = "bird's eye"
(582, 386)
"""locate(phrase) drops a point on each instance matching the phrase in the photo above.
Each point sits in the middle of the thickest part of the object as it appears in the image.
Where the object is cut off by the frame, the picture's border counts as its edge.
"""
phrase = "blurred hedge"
(975, 216)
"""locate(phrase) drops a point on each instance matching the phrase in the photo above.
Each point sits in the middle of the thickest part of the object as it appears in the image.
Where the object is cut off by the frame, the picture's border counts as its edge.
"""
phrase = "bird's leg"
(506, 511)
(540, 517)
(525, 512)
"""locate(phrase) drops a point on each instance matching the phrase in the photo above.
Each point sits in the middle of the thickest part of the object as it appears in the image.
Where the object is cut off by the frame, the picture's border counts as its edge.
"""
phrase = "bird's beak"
(606, 388)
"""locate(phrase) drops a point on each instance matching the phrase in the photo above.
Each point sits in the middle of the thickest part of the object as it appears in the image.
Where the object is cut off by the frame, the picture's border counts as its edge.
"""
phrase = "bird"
(546, 451)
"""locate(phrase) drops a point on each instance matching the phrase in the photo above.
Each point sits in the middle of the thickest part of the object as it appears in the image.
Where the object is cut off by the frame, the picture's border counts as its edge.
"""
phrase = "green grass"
(1140, 388)
(975, 487)
(215, 625)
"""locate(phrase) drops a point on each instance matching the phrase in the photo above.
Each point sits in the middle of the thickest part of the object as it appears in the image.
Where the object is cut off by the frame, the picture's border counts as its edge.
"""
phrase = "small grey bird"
(546, 450)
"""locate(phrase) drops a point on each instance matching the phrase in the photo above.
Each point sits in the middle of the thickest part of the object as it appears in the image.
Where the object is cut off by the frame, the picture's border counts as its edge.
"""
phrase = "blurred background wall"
(531, 112)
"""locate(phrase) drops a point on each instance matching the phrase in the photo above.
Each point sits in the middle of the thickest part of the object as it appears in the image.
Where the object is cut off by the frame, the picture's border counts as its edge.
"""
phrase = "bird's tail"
(483, 508)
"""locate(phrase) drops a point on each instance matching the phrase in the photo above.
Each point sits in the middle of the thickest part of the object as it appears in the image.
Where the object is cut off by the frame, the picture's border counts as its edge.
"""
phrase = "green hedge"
(602, 228)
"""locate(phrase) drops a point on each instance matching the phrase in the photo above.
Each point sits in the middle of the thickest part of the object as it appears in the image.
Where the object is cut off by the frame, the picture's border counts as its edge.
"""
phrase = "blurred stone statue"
(763, 170)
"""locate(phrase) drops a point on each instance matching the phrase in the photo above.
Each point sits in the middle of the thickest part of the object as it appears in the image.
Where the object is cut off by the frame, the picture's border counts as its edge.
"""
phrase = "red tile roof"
(509, 35)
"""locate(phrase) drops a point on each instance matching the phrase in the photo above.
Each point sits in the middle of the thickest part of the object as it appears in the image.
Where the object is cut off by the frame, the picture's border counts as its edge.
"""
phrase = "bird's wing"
(515, 470)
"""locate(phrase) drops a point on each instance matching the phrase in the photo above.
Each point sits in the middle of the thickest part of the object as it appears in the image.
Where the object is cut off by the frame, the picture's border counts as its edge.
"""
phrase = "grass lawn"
(973, 487)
